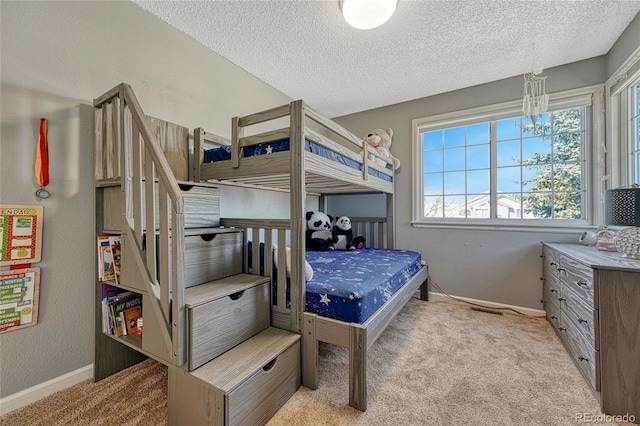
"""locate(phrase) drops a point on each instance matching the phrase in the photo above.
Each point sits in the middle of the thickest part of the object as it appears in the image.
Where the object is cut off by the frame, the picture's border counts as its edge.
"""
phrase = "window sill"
(519, 226)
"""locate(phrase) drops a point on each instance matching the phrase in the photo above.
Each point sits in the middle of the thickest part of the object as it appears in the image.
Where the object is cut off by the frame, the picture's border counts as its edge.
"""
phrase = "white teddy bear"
(380, 140)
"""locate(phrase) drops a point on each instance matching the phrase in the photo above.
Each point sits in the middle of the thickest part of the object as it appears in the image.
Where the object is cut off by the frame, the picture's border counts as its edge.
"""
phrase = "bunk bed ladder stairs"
(205, 317)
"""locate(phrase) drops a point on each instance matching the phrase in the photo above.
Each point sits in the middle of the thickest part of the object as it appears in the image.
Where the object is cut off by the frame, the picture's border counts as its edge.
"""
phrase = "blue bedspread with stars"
(224, 153)
(351, 285)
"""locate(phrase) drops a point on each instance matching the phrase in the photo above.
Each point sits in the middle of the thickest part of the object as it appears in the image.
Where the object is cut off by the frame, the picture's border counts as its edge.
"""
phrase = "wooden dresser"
(592, 299)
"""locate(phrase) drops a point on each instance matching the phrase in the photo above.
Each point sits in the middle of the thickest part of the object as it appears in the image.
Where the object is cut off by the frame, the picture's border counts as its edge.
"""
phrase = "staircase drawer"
(219, 325)
(244, 386)
(211, 257)
(261, 395)
(201, 207)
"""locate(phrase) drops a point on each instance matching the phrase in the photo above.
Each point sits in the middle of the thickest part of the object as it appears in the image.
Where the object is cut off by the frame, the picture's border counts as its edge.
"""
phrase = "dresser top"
(594, 258)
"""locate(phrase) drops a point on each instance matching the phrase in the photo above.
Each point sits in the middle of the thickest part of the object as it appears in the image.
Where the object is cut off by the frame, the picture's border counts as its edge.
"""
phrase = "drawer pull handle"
(208, 237)
(542, 301)
(580, 320)
(552, 263)
(561, 299)
(236, 296)
(561, 269)
(581, 358)
(553, 290)
(268, 366)
(543, 279)
(581, 283)
(562, 329)
(553, 317)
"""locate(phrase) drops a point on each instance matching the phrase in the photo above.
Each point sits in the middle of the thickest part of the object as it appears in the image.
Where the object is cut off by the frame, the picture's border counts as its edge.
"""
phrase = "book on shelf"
(106, 271)
(114, 241)
(131, 316)
(117, 309)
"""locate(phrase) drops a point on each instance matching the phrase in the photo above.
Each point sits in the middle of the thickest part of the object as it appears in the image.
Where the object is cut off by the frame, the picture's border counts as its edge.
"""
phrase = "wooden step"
(246, 385)
(223, 313)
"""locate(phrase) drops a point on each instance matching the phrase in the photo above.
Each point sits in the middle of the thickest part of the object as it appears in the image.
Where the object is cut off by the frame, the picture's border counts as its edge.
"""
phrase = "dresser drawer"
(583, 354)
(261, 395)
(550, 261)
(583, 317)
(552, 308)
(578, 277)
(221, 324)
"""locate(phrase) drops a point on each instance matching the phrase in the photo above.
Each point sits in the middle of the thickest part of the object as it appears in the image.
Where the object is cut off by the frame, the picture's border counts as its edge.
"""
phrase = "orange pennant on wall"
(42, 156)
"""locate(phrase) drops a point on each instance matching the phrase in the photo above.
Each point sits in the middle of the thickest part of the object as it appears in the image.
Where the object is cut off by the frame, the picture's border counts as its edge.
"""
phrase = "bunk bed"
(295, 149)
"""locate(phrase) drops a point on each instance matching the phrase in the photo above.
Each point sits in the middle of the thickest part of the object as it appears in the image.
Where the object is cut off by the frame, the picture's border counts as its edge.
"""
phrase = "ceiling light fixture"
(367, 14)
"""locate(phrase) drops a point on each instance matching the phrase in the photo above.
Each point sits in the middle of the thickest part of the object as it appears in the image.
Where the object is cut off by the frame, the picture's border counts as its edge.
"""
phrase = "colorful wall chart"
(19, 292)
(20, 234)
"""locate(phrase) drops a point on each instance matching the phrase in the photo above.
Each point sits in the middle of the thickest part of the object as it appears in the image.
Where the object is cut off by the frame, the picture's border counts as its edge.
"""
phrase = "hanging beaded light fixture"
(534, 100)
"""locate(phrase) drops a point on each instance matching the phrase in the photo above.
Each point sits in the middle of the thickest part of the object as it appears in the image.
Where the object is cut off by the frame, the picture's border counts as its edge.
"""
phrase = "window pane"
(432, 140)
(568, 120)
(508, 129)
(454, 159)
(433, 184)
(433, 161)
(478, 181)
(454, 137)
(567, 177)
(478, 134)
(509, 179)
(536, 151)
(509, 205)
(567, 147)
(479, 206)
(536, 178)
(538, 205)
(567, 205)
(454, 183)
(454, 206)
(478, 157)
(433, 207)
(508, 153)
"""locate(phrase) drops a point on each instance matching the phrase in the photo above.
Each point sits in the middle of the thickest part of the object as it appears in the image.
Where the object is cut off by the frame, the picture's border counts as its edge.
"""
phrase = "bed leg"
(424, 290)
(358, 368)
(309, 352)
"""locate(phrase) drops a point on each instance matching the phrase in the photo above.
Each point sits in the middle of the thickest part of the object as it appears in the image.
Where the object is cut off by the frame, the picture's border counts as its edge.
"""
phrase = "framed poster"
(20, 234)
(19, 294)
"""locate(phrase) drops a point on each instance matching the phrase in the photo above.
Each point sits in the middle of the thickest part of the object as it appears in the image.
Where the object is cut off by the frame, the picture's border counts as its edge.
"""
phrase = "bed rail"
(277, 232)
(158, 254)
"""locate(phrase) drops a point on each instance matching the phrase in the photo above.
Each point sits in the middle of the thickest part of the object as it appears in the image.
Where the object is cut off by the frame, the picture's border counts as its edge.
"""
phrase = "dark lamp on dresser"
(622, 208)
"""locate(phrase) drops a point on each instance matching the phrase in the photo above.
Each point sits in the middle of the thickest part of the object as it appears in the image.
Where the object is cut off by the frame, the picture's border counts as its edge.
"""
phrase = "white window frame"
(620, 142)
(593, 161)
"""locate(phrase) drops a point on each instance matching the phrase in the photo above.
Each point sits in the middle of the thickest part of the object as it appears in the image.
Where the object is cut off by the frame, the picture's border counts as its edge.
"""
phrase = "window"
(492, 166)
(634, 128)
(624, 140)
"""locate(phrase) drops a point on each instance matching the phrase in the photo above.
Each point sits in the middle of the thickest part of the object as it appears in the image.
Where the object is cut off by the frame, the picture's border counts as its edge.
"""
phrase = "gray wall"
(56, 58)
(496, 266)
(625, 46)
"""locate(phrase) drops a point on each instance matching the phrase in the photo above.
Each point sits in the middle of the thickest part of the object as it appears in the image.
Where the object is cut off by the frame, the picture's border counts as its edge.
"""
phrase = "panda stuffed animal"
(319, 231)
(342, 235)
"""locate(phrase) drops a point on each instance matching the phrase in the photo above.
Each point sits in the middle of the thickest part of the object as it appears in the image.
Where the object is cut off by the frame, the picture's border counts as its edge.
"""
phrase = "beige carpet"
(438, 363)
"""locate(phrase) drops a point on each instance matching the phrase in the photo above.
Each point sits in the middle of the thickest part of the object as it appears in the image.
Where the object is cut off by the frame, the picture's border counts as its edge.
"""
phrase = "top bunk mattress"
(224, 153)
(351, 285)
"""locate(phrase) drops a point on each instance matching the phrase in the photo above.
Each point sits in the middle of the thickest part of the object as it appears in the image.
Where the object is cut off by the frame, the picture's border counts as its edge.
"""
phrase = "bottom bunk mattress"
(351, 285)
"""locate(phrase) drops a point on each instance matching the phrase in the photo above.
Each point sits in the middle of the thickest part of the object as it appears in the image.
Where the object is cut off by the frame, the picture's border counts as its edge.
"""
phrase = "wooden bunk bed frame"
(300, 172)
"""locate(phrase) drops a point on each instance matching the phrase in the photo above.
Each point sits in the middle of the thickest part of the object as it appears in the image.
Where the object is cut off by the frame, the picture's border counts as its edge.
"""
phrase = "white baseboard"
(439, 297)
(35, 393)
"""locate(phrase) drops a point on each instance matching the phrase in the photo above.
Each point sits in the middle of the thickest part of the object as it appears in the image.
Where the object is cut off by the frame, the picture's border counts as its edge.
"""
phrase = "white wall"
(56, 58)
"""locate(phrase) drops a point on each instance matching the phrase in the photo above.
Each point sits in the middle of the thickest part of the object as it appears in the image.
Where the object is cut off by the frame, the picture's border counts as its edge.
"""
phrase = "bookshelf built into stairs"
(205, 317)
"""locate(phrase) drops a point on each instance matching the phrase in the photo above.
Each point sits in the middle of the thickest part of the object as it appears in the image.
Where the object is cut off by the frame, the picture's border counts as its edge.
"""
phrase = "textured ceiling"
(306, 50)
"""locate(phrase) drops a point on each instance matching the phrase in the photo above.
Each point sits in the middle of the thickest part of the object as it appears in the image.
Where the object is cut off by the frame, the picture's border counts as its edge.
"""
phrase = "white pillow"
(308, 270)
